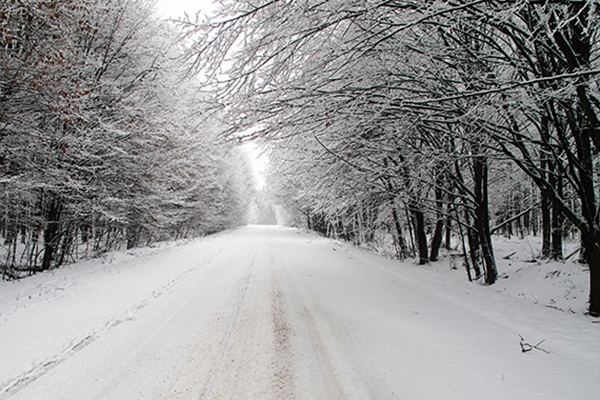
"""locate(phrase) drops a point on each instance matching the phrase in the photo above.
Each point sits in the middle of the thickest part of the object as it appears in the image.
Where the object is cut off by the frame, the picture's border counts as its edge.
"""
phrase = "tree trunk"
(474, 246)
(411, 234)
(594, 264)
(464, 248)
(482, 219)
(557, 223)
(421, 237)
(546, 169)
(448, 238)
(591, 252)
(546, 227)
(52, 232)
(436, 241)
(65, 248)
(400, 236)
(448, 225)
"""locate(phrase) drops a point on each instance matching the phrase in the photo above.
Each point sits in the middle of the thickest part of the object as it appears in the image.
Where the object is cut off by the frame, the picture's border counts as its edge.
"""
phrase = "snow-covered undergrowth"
(561, 285)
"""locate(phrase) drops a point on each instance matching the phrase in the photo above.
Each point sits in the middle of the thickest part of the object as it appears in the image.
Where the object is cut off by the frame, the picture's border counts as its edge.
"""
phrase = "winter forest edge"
(433, 125)
(105, 140)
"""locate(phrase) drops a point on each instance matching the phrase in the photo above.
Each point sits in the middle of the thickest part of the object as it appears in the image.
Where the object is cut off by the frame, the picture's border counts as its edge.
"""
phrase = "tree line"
(453, 118)
(104, 138)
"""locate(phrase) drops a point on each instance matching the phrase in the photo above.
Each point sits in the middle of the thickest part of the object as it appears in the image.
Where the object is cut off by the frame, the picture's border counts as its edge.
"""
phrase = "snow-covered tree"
(419, 99)
(103, 141)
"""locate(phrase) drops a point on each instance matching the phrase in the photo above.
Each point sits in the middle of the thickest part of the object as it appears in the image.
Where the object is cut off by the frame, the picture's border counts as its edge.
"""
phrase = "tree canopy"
(408, 115)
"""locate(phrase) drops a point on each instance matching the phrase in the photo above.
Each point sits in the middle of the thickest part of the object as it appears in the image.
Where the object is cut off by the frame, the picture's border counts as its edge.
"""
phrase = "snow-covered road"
(275, 313)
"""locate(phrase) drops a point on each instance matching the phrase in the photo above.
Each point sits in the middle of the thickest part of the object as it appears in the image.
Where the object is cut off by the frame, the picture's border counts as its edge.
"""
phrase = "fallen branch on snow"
(527, 347)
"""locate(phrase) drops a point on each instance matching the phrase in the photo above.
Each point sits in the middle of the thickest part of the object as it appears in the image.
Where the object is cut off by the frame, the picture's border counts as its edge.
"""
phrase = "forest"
(440, 123)
(436, 123)
(105, 141)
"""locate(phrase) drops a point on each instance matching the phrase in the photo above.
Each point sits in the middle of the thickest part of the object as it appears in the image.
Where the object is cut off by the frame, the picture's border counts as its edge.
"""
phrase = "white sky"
(176, 8)
(259, 163)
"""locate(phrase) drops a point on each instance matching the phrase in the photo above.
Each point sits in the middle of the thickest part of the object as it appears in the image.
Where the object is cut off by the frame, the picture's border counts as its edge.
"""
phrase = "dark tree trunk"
(474, 251)
(482, 218)
(591, 244)
(52, 232)
(527, 225)
(474, 246)
(448, 225)
(557, 222)
(594, 264)
(546, 227)
(472, 232)
(402, 248)
(436, 241)
(421, 237)
(448, 233)
(400, 237)
(546, 165)
(464, 248)
(65, 248)
(411, 231)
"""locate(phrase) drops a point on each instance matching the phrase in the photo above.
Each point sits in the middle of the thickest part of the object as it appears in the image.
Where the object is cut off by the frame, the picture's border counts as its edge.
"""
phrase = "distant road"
(274, 313)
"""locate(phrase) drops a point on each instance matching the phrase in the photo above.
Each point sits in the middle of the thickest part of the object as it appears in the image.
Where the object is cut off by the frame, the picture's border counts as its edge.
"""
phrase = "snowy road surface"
(274, 313)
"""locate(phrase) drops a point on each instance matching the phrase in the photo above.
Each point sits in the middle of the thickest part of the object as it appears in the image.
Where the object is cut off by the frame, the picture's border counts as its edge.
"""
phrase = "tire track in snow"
(224, 343)
(283, 377)
(254, 358)
(326, 367)
(41, 369)
(310, 343)
(19, 383)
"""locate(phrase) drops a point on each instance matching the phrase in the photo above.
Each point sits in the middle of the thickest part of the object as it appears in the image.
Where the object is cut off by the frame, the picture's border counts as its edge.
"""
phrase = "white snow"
(276, 313)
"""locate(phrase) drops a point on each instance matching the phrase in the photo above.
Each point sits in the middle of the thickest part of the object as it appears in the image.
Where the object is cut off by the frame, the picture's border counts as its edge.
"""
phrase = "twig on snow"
(527, 347)
(572, 254)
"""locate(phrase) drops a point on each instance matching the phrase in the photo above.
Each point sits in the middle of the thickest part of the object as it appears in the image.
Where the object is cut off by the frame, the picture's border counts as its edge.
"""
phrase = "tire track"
(45, 367)
(309, 343)
(283, 375)
(318, 342)
(240, 294)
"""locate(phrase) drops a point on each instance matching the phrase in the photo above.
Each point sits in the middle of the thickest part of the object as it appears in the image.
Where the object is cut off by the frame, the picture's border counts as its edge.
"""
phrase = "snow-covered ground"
(276, 313)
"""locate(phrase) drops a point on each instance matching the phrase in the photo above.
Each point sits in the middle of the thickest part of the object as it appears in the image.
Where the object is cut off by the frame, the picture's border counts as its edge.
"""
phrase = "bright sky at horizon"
(258, 162)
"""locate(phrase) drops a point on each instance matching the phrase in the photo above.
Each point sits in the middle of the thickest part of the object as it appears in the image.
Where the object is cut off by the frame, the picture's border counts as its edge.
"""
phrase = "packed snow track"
(275, 313)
